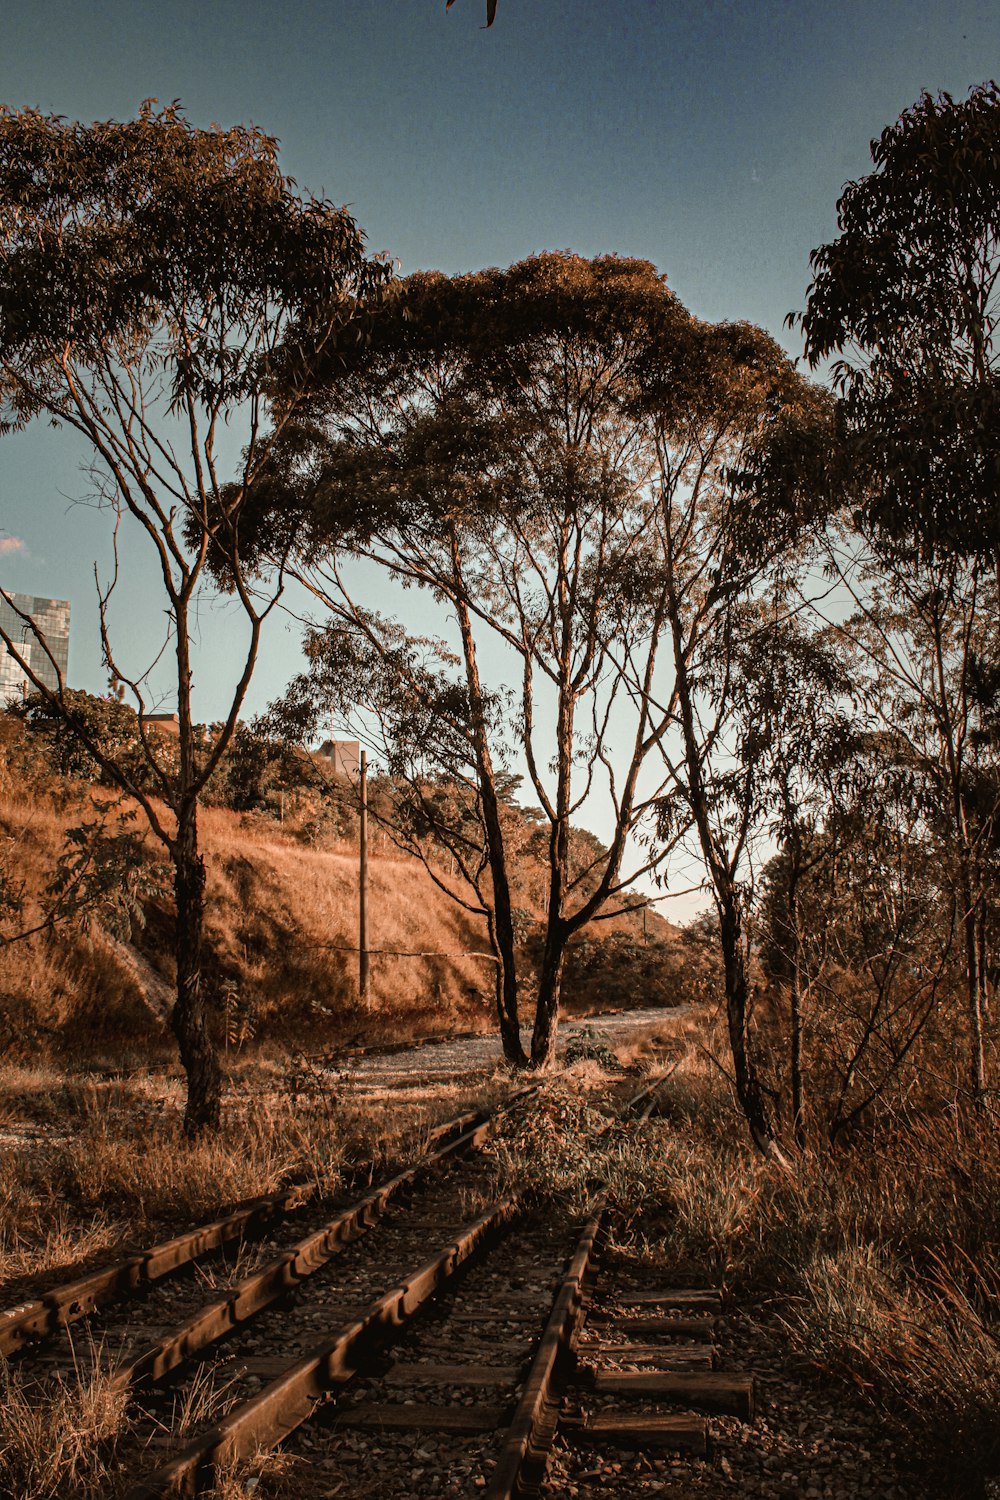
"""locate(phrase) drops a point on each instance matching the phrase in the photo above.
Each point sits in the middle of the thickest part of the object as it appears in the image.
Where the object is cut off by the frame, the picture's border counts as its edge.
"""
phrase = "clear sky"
(709, 136)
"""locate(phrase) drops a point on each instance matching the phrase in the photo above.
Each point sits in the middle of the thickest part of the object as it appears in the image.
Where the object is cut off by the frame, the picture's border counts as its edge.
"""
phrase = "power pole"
(363, 886)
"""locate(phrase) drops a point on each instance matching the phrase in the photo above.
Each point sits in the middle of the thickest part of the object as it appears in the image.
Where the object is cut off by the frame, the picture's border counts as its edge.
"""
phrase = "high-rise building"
(52, 618)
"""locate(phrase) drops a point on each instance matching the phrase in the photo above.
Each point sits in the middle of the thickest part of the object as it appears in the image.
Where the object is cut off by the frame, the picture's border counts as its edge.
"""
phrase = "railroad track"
(27, 1327)
(407, 1342)
(625, 1366)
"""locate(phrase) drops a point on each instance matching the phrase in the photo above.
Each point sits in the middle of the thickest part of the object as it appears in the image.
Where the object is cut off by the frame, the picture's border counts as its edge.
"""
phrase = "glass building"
(52, 619)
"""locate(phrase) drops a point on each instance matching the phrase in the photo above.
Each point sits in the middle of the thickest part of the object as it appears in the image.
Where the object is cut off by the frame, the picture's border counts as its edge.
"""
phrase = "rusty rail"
(280, 1276)
(521, 1466)
(640, 1107)
(291, 1399)
(75, 1299)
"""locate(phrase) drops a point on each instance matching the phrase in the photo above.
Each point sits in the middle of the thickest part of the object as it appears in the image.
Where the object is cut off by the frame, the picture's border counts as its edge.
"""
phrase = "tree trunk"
(734, 957)
(795, 998)
(502, 943)
(503, 920)
(543, 1037)
(983, 961)
(972, 969)
(748, 1087)
(198, 1050)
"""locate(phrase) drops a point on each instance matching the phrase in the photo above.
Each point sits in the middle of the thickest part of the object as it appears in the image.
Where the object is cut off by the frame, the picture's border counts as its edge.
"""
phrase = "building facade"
(52, 619)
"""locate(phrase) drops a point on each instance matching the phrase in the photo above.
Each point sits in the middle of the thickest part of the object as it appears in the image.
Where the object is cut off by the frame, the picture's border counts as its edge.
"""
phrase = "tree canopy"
(567, 460)
(157, 283)
(907, 298)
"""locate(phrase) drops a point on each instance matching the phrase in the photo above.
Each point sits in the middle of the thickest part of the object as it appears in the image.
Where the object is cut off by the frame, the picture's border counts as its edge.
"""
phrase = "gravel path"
(462, 1055)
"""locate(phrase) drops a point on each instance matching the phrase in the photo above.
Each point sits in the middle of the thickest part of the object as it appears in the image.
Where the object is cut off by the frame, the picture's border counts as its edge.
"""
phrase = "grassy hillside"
(281, 927)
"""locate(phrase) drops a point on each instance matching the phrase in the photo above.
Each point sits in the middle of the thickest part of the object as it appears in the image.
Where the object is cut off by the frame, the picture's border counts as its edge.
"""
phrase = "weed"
(586, 1045)
(61, 1439)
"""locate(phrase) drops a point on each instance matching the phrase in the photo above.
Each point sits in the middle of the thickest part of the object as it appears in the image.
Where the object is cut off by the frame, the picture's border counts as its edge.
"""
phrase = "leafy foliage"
(106, 874)
(908, 294)
(158, 281)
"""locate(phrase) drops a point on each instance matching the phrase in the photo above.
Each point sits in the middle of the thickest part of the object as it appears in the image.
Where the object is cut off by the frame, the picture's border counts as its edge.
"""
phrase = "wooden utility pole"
(363, 886)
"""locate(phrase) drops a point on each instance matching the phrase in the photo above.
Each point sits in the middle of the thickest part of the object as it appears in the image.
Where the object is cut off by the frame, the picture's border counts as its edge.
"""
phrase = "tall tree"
(795, 735)
(155, 279)
(559, 454)
(906, 298)
(855, 913)
(490, 449)
(921, 639)
(733, 411)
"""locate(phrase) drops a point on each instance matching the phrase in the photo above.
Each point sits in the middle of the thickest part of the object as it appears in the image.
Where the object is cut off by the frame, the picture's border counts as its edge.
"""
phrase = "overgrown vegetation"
(874, 1258)
(65, 1444)
(111, 1154)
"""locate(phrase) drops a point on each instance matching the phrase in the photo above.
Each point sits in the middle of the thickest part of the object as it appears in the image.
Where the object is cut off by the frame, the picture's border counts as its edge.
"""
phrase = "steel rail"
(75, 1299)
(290, 1400)
(215, 1320)
(521, 1466)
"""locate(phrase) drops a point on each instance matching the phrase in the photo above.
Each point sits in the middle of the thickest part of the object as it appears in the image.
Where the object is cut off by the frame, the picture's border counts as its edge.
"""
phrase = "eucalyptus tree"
(490, 449)
(800, 745)
(155, 279)
(733, 432)
(906, 298)
(853, 921)
(920, 639)
(872, 933)
(906, 301)
(559, 455)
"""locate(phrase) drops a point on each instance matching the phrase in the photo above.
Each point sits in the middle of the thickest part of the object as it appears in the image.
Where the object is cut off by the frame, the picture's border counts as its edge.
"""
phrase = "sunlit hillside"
(281, 933)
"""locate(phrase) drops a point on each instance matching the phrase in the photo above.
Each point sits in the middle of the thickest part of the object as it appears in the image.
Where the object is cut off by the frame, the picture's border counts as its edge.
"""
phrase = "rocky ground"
(808, 1441)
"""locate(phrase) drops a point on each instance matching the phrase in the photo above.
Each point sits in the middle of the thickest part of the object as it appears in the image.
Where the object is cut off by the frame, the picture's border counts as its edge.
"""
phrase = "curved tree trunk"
(199, 1053)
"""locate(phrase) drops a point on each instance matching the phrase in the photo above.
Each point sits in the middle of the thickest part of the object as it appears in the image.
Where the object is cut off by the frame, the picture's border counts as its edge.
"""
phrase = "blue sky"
(712, 138)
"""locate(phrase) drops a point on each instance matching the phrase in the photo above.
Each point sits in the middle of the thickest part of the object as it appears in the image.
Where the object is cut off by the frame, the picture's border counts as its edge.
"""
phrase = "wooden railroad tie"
(688, 1299)
(403, 1373)
(684, 1374)
(667, 1356)
(681, 1328)
(421, 1418)
(700, 1390)
(619, 1429)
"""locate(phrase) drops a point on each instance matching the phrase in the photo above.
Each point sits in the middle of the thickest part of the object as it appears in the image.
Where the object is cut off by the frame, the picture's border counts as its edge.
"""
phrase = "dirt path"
(462, 1055)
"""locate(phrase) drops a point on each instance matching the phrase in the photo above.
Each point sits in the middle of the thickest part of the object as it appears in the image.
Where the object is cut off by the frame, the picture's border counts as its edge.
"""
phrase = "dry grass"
(33, 1245)
(281, 928)
(280, 924)
(61, 1442)
(112, 1167)
(879, 1258)
(280, 917)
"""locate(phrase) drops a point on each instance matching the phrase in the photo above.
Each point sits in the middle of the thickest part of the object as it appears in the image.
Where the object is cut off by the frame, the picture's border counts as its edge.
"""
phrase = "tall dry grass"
(281, 924)
(110, 1167)
(63, 1442)
(281, 936)
(282, 920)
